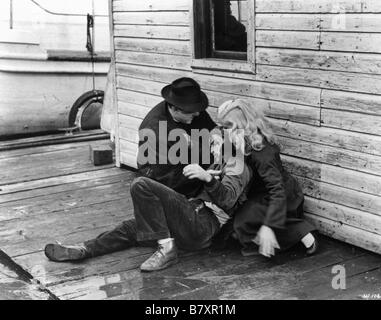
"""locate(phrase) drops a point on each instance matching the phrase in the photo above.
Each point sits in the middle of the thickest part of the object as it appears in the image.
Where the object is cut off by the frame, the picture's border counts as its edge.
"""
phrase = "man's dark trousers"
(160, 212)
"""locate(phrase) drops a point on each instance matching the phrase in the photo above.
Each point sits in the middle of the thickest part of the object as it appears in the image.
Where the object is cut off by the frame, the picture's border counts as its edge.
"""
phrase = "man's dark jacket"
(169, 174)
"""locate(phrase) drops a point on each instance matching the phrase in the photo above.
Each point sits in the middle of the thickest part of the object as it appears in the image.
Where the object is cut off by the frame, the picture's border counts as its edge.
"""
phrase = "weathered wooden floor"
(50, 193)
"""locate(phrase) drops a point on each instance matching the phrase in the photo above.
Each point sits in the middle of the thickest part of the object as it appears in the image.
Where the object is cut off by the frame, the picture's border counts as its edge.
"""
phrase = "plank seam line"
(341, 222)
(316, 50)
(337, 185)
(262, 81)
(56, 176)
(58, 183)
(152, 24)
(75, 279)
(51, 137)
(145, 11)
(103, 136)
(353, 130)
(157, 52)
(317, 87)
(60, 192)
(352, 111)
(119, 38)
(42, 151)
(24, 274)
(155, 66)
(295, 50)
(314, 12)
(320, 106)
(320, 143)
(321, 69)
(314, 30)
(206, 90)
(68, 234)
(363, 272)
(309, 159)
(65, 210)
(153, 38)
(112, 174)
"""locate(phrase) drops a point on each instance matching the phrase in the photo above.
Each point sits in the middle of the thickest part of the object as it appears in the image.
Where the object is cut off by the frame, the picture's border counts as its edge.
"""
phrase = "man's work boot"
(58, 252)
(161, 259)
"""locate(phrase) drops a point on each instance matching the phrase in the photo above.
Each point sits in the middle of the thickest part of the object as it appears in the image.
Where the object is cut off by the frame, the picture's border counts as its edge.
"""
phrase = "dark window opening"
(221, 29)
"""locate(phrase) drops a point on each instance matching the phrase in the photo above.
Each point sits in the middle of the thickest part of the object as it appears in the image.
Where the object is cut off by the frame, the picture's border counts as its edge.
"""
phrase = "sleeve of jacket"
(168, 174)
(207, 121)
(225, 193)
(148, 153)
(268, 170)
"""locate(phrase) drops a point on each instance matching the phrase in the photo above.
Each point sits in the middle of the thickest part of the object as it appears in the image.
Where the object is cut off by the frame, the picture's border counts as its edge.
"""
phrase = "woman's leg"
(250, 217)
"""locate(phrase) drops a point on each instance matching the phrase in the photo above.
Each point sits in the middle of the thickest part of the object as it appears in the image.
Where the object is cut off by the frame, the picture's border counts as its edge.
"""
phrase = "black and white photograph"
(203, 151)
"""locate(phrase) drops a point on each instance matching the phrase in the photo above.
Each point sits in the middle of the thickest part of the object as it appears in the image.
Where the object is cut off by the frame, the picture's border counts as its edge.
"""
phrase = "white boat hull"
(35, 102)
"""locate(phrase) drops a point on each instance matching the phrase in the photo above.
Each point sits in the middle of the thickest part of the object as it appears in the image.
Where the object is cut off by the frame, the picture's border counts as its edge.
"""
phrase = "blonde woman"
(272, 217)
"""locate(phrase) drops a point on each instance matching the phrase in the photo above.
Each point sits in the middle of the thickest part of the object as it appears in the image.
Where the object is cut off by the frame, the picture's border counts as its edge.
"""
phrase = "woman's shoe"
(59, 253)
(250, 249)
(249, 252)
(314, 247)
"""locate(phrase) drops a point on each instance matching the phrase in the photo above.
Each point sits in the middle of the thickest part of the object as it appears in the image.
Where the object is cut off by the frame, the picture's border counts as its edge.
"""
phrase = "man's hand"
(267, 241)
(194, 171)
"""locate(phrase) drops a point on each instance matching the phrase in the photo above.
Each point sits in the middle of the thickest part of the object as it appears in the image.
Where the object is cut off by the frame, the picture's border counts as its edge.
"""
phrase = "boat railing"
(11, 12)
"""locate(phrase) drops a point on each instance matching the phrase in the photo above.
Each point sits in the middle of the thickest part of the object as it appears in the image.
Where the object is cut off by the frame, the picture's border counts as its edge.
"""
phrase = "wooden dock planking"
(31, 189)
(114, 189)
(15, 287)
(313, 284)
(80, 202)
(247, 280)
(31, 235)
(47, 164)
(225, 275)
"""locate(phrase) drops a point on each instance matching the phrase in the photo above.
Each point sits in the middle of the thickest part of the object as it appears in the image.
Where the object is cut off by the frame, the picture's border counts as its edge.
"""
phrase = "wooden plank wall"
(318, 83)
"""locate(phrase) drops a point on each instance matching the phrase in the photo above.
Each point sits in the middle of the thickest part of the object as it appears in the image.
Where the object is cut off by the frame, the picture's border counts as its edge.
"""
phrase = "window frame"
(200, 42)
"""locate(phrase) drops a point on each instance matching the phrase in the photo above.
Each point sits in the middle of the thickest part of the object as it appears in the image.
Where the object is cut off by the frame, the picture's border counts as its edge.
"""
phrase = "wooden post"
(113, 77)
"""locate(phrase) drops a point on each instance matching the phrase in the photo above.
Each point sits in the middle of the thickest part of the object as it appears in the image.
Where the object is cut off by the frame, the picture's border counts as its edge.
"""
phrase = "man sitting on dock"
(184, 107)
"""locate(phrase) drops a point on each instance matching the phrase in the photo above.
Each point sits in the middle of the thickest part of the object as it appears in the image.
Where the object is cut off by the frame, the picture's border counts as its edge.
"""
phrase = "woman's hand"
(216, 142)
(267, 241)
(194, 171)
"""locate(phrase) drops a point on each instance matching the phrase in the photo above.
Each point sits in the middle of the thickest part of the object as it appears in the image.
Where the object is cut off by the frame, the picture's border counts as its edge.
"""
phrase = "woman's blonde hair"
(250, 119)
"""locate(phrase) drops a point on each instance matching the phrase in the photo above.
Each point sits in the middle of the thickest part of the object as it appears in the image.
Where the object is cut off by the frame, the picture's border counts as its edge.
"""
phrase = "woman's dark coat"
(275, 199)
